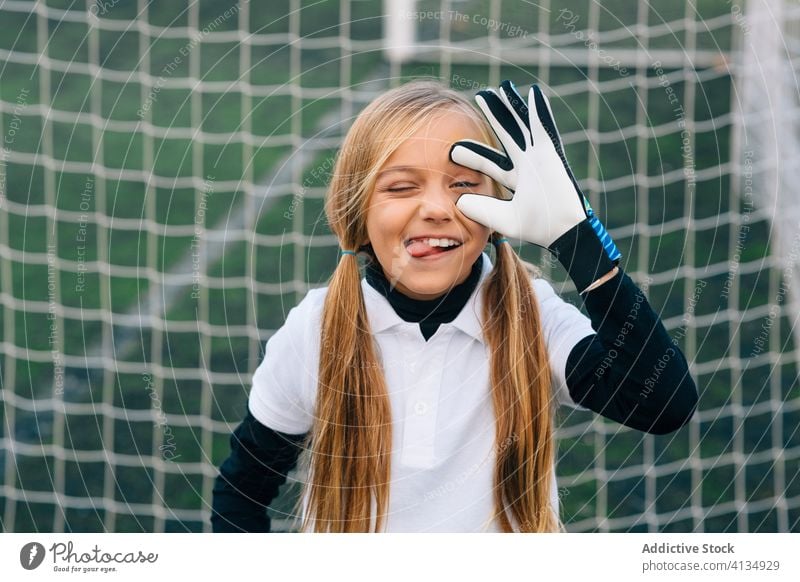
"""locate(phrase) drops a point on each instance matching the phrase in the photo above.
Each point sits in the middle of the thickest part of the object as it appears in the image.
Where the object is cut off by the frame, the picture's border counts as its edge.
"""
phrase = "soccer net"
(162, 173)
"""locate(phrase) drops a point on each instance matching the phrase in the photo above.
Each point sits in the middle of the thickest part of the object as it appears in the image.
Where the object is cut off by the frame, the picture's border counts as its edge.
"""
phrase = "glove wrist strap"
(582, 254)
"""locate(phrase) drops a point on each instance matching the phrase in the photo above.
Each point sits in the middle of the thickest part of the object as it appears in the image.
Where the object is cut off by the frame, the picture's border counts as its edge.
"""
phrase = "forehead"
(431, 141)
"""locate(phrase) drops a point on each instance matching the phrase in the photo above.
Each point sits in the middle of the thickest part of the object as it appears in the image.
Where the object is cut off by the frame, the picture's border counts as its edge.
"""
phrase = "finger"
(503, 123)
(543, 126)
(545, 133)
(515, 102)
(500, 215)
(486, 160)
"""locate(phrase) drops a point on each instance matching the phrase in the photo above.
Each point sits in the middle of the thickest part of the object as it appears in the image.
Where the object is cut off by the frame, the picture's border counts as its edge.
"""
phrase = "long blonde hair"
(350, 443)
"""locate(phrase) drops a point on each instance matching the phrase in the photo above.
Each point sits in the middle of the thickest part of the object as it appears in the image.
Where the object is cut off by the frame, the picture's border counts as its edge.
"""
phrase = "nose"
(437, 203)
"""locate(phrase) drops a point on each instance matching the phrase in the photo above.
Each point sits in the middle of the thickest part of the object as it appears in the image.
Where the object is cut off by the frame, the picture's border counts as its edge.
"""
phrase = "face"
(414, 201)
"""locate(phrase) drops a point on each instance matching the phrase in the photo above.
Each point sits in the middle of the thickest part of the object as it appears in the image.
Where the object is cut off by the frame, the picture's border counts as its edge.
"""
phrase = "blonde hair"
(351, 440)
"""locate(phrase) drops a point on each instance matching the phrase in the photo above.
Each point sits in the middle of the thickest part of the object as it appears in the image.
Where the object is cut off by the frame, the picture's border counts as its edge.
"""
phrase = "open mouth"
(426, 247)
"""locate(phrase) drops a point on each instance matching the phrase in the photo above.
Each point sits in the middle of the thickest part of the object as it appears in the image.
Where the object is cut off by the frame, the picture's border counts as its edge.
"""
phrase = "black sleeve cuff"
(582, 254)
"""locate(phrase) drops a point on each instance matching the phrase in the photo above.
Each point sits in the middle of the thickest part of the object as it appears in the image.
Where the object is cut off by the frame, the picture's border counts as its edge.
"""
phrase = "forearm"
(630, 370)
(251, 476)
(233, 511)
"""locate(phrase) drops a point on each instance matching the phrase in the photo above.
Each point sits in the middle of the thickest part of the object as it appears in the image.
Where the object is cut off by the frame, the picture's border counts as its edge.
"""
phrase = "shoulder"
(563, 326)
(543, 289)
(562, 322)
(550, 302)
(284, 383)
(298, 337)
(313, 300)
(307, 314)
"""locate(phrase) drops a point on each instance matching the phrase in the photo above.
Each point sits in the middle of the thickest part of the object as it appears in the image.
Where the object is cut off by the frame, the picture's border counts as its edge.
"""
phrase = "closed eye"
(395, 186)
(465, 184)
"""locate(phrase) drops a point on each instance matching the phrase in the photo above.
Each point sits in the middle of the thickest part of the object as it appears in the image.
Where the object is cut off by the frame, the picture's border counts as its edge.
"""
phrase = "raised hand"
(547, 207)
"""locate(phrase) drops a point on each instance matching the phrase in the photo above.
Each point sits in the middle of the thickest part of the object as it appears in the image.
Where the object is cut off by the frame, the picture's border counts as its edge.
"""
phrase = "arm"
(266, 445)
(630, 370)
(251, 476)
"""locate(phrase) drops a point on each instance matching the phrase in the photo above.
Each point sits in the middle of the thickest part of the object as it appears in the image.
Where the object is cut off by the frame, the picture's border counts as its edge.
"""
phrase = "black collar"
(430, 312)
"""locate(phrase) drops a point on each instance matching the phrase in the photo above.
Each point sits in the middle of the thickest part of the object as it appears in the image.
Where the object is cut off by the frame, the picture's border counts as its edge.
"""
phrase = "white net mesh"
(161, 180)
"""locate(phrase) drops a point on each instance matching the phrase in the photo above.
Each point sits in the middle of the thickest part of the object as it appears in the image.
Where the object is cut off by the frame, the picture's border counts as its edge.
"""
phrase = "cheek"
(376, 216)
(383, 228)
(386, 215)
(478, 231)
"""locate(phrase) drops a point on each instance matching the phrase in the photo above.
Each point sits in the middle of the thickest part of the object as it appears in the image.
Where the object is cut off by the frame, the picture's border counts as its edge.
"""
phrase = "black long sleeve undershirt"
(251, 476)
(630, 370)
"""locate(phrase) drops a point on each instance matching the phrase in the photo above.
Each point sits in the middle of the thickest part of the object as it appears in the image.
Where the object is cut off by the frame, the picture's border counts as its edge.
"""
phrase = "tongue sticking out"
(419, 248)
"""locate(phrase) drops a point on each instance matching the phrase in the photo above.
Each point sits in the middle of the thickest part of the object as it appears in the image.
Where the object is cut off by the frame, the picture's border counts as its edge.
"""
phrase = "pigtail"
(521, 394)
(350, 457)
(352, 415)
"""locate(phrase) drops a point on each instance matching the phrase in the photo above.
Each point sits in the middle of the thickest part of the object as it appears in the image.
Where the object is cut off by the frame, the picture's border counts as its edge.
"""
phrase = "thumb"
(497, 214)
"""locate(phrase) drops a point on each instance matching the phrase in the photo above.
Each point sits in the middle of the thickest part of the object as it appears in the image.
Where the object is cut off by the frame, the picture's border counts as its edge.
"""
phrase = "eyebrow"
(414, 169)
(398, 169)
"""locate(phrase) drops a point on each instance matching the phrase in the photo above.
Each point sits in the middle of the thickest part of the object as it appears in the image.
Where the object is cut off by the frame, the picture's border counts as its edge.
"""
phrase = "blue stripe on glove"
(608, 244)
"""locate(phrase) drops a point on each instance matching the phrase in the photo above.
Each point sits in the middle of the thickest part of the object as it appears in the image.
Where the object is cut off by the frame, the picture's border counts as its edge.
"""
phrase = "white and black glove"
(547, 207)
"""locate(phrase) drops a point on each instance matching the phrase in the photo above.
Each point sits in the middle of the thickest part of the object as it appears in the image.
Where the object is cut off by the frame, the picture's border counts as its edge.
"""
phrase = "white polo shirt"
(443, 445)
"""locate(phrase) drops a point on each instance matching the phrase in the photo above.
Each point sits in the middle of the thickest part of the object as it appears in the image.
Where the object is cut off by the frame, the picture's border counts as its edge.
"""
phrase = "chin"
(430, 288)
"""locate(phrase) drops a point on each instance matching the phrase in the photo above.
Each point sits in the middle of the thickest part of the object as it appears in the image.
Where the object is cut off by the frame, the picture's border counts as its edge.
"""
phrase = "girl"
(425, 392)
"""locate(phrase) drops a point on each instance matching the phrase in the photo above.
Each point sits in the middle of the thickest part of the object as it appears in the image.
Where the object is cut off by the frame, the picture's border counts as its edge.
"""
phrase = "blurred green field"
(249, 130)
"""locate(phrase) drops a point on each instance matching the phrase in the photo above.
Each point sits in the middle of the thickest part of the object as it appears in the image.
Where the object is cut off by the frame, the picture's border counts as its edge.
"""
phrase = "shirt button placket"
(425, 404)
(418, 439)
